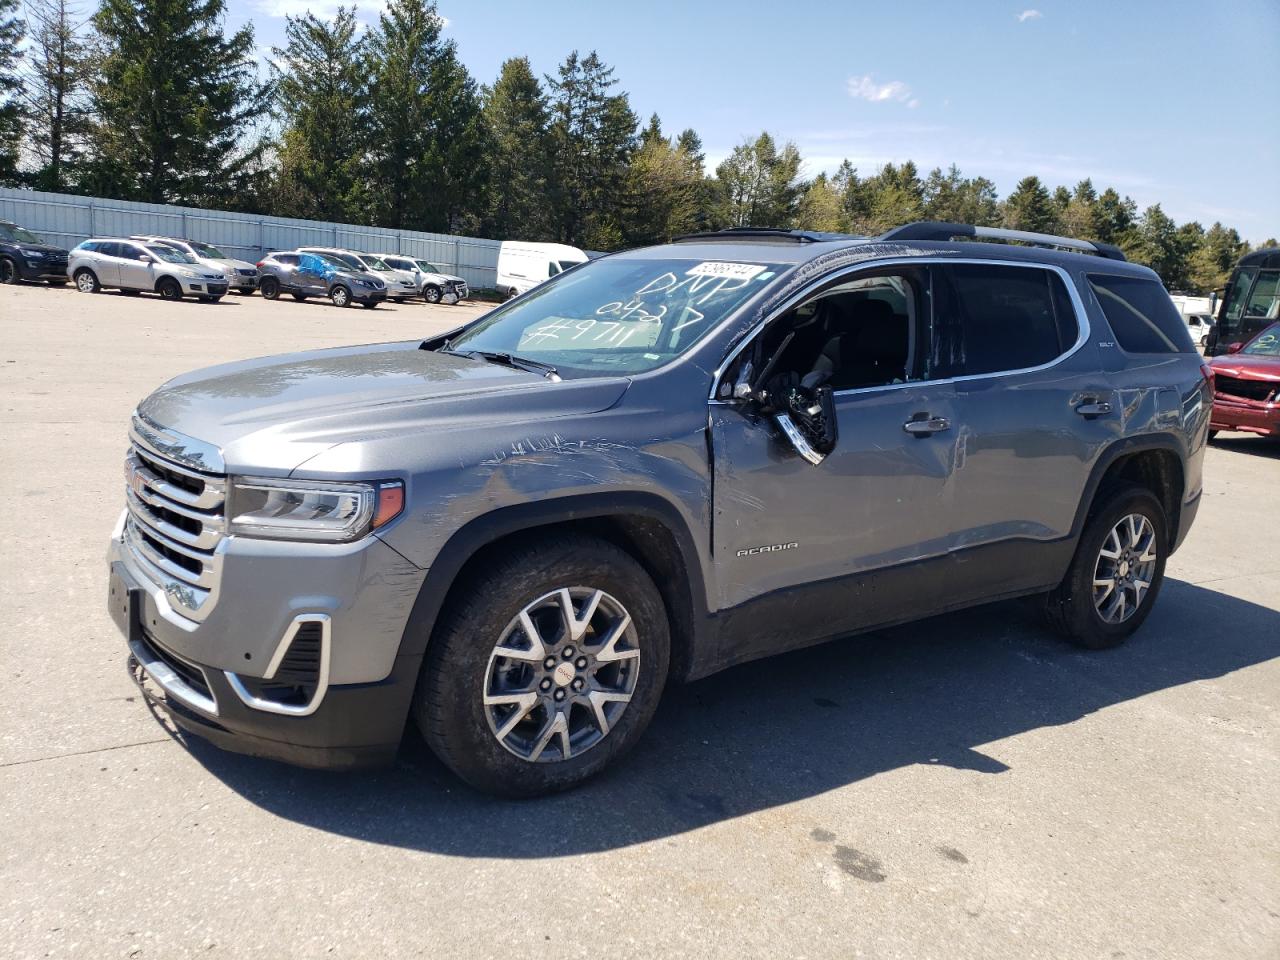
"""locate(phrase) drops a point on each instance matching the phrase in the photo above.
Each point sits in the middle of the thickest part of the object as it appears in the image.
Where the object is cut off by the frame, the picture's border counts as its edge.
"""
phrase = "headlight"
(312, 509)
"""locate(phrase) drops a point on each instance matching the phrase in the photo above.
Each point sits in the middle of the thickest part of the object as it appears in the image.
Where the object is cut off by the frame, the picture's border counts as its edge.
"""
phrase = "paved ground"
(965, 787)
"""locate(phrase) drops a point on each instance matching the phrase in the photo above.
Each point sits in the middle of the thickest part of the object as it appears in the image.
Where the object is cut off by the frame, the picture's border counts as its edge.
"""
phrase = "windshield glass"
(1265, 344)
(618, 316)
(18, 234)
(170, 254)
(207, 250)
(376, 263)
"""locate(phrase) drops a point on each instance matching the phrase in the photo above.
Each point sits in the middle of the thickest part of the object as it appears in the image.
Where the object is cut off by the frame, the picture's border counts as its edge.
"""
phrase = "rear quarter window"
(1141, 315)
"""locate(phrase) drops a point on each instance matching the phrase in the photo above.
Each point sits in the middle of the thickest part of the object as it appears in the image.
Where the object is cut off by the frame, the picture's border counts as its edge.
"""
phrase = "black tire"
(87, 281)
(512, 293)
(298, 296)
(1071, 609)
(169, 288)
(448, 704)
(340, 296)
(9, 271)
(370, 304)
(270, 288)
(432, 293)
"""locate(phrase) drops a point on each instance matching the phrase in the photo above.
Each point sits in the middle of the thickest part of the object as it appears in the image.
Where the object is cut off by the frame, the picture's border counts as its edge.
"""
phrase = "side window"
(1234, 307)
(91, 246)
(130, 252)
(991, 318)
(553, 268)
(1141, 315)
(112, 249)
(1264, 302)
(852, 335)
(288, 259)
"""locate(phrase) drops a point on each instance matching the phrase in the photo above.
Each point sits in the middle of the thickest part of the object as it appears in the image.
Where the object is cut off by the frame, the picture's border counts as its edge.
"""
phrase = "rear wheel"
(8, 271)
(87, 281)
(1117, 571)
(545, 668)
(169, 288)
(512, 293)
(340, 296)
(270, 288)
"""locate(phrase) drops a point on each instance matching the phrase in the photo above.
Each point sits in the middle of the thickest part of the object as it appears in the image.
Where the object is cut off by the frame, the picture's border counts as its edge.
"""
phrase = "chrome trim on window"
(322, 678)
(877, 266)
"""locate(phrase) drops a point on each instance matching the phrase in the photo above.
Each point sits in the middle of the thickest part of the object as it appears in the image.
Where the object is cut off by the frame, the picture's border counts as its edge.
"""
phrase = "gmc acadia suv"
(653, 466)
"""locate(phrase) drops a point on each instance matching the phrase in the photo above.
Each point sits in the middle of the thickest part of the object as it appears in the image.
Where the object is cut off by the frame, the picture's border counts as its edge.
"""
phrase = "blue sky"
(1166, 101)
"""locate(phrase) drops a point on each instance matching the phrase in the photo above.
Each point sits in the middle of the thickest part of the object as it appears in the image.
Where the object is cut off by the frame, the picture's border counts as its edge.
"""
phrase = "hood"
(229, 263)
(441, 278)
(1247, 366)
(41, 247)
(272, 414)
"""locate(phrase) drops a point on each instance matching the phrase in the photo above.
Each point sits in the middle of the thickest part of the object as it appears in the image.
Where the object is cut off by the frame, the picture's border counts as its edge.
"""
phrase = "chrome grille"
(175, 526)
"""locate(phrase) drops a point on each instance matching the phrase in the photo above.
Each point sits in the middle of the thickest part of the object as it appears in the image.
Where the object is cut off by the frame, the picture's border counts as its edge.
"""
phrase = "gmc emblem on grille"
(768, 548)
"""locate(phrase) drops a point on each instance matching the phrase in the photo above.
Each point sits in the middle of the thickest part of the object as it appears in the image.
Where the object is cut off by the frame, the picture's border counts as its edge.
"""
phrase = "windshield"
(207, 250)
(1265, 344)
(170, 254)
(18, 234)
(427, 267)
(618, 316)
(375, 263)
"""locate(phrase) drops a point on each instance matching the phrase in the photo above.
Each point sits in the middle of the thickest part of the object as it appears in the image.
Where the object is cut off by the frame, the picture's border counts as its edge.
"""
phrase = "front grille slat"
(1248, 389)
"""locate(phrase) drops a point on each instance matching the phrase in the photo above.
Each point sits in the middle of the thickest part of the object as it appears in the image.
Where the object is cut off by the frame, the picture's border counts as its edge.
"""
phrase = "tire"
(298, 296)
(512, 293)
(9, 271)
(87, 281)
(485, 614)
(169, 288)
(340, 296)
(1072, 608)
(370, 304)
(431, 293)
(270, 288)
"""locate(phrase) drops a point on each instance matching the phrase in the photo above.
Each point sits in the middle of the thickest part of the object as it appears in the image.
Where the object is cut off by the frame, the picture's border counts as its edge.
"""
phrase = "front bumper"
(244, 282)
(1252, 416)
(360, 295)
(45, 269)
(202, 287)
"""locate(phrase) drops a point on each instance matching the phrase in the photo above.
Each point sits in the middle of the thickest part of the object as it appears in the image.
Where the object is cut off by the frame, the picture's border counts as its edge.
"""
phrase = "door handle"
(1093, 408)
(926, 426)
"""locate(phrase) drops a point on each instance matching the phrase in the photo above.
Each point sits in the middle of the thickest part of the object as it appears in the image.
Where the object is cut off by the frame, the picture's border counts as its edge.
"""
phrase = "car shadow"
(1249, 443)
(780, 730)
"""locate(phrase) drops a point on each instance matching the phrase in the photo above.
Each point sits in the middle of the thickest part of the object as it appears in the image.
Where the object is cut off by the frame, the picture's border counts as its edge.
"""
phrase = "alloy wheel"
(1125, 568)
(561, 675)
(85, 282)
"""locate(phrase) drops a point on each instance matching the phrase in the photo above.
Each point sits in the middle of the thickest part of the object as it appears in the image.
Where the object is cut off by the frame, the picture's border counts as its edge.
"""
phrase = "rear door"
(1031, 406)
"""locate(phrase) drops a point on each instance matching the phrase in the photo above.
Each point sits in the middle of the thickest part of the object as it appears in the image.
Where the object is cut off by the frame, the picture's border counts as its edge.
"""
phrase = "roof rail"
(761, 233)
(934, 230)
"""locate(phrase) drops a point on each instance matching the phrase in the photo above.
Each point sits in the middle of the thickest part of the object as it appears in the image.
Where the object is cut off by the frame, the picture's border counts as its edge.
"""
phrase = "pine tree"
(593, 135)
(1030, 207)
(1113, 218)
(1079, 219)
(11, 112)
(952, 198)
(1159, 246)
(758, 184)
(322, 104)
(174, 101)
(57, 91)
(821, 207)
(516, 114)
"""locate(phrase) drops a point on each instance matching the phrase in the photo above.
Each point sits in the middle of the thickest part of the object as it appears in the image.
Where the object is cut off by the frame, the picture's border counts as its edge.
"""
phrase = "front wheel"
(546, 667)
(431, 293)
(340, 296)
(87, 281)
(8, 271)
(1117, 570)
(270, 288)
(169, 289)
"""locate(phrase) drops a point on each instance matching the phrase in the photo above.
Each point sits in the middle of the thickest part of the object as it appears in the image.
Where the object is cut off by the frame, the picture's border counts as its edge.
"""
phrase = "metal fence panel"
(66, 219)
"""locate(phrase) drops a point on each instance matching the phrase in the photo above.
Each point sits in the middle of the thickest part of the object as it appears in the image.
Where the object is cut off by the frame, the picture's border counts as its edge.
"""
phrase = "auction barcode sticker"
(733, 271)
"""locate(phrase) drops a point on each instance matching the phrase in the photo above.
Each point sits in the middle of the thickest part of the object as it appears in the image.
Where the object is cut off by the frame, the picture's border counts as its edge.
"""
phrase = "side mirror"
(809, 422)
(147, 258)
(1234, 347)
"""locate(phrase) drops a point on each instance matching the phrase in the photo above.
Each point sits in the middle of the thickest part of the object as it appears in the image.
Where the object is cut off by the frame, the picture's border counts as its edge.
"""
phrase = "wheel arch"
(644, 525)
(1155, 462)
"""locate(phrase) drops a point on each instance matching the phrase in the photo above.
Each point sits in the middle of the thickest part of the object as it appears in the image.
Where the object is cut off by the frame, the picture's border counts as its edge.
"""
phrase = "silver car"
(242, 275)
(133, 266)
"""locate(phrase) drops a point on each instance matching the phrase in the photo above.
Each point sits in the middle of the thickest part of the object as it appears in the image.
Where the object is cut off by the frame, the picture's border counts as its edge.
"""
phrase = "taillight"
(259, 264)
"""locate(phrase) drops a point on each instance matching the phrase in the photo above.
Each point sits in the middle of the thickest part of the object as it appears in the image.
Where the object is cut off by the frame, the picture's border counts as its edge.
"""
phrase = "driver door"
(807, 550)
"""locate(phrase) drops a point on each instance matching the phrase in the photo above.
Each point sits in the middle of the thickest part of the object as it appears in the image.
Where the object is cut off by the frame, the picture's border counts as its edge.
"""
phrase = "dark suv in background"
(24, 256)
(649, 468)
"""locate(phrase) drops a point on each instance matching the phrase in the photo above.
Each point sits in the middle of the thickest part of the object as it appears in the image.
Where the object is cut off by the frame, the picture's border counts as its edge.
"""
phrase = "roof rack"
(933, 230)
(761, 233)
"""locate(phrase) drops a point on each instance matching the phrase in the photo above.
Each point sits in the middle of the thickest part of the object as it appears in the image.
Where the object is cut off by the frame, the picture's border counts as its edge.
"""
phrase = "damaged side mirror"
(808, 421)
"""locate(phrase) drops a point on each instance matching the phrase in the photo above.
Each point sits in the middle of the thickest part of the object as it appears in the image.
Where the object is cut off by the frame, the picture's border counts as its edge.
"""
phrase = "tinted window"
(289, 259)
(129, 251)
(1264, 302)
(1141, 315)
(989, 318)
(111, 249)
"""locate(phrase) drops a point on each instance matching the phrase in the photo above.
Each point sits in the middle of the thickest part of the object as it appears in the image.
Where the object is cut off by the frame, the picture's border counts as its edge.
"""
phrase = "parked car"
(1252, 300)
(24, 256)
(401, 285)
(1246, 385)
(434, 285)
(132, 267)
(303, 275)
(671, 460)
(241, 274)
(1200, 326)
(522, 266)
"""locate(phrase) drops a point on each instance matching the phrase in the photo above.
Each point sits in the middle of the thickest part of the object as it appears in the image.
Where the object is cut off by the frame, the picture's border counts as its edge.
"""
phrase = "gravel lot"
(963, 787)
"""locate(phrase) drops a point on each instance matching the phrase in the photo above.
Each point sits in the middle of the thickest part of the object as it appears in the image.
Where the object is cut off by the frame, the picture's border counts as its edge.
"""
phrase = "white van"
(522, 266)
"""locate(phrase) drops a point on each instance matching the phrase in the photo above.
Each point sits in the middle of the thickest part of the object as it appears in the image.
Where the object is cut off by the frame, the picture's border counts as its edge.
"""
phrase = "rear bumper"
(1253, 417)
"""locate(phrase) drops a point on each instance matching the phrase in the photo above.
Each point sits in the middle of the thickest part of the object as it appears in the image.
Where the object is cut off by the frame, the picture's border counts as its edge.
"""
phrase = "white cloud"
(865, 88)
(1026, 15)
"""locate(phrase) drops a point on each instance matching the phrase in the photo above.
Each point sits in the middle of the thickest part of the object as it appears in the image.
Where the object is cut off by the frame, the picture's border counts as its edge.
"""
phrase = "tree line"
(153, 100)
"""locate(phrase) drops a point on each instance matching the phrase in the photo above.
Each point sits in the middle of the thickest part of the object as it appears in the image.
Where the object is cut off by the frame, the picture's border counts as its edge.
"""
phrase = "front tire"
(1117, 571)
(169, 289)
(340, 296)
(431, 293)
(546, 667)
(87, 281)
(9, 271)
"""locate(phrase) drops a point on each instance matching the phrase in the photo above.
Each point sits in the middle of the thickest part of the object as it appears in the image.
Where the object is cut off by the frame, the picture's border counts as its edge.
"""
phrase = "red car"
(1246, 385)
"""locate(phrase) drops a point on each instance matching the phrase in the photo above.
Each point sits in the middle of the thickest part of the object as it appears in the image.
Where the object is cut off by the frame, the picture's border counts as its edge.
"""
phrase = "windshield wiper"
(509, 360)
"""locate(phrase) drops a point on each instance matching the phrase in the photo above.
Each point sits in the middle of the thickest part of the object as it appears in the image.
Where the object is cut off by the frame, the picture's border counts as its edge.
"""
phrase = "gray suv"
(303, 275)
(653, 466)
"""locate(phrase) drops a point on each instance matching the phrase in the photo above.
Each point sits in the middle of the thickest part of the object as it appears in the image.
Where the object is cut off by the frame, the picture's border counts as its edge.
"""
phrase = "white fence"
(66, 220)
